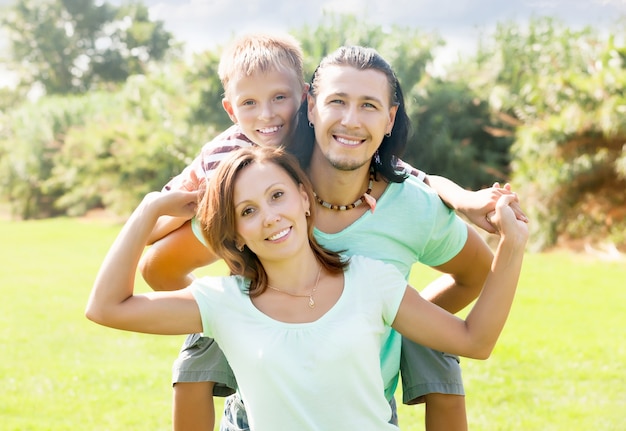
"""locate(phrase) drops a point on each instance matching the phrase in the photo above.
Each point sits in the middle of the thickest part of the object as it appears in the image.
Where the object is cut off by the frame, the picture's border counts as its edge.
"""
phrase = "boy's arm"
(475, 205)
(169, 262)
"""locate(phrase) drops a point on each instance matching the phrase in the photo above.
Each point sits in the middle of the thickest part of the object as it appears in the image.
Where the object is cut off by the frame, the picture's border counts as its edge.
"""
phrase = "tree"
(72, 46)
(566, 90)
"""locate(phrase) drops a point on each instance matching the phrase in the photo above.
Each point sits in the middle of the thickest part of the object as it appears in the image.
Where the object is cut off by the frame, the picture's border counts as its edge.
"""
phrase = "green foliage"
(34, 134)
(72, 46)
(97, 150)
(456, 136)
(205, 84)
(566, 89)
(114, 162)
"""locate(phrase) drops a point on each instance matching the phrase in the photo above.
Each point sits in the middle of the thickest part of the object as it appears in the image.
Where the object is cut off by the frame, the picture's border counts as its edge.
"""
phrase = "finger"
(486, 225)
(519, 213)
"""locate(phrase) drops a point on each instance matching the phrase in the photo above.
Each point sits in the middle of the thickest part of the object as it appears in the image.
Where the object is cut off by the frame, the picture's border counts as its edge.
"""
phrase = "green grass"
(559, 364)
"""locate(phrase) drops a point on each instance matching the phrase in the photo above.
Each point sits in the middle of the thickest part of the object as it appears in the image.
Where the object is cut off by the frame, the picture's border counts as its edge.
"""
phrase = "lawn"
(559, 364)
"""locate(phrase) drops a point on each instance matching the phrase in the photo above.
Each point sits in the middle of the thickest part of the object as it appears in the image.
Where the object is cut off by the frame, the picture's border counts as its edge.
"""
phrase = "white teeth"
(279, 235)
(270, 129)
(347, 141)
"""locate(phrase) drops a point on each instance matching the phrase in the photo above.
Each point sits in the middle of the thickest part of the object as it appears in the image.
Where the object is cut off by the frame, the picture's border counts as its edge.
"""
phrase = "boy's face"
(265, 105)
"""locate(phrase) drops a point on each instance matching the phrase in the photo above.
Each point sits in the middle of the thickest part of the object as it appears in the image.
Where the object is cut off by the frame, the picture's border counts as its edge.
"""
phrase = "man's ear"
(228, 107)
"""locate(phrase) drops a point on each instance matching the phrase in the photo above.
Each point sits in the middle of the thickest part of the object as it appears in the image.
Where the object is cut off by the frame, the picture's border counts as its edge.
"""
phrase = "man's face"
(351, 114)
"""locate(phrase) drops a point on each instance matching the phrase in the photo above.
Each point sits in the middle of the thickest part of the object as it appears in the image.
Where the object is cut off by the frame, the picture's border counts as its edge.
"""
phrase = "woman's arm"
(475, 336)
(112, 301)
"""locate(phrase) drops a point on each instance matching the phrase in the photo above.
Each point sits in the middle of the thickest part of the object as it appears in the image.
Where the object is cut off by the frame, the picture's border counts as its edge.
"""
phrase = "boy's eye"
(336, 101)
(281, 97)
(248, 103)
(369, 105)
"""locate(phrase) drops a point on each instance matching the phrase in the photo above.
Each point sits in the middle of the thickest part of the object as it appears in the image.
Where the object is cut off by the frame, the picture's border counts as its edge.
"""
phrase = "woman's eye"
(277, 195)
(246, 211)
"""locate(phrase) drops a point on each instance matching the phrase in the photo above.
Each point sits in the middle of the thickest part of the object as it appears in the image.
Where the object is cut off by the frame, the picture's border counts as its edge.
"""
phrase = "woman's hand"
(505, 220)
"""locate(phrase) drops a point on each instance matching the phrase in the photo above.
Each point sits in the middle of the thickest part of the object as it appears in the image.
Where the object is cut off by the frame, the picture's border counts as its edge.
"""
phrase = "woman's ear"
(240, 243)
(306, 204)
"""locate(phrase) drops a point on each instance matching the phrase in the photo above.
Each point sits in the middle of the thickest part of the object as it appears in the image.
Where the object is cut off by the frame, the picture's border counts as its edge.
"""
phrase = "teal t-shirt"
(410, 224)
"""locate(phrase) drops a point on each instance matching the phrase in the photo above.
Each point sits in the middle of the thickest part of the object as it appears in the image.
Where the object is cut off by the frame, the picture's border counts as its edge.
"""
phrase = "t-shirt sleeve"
(447, 236)
(208, 293)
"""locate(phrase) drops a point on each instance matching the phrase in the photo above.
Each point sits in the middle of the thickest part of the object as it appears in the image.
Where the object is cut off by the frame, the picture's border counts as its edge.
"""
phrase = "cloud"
(202, 24)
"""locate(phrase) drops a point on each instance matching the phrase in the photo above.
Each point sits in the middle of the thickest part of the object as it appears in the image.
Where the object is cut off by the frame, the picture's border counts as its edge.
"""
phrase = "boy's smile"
(264, 104)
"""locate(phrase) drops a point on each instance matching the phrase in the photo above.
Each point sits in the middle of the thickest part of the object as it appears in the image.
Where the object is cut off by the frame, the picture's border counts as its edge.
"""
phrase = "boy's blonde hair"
(260, 52)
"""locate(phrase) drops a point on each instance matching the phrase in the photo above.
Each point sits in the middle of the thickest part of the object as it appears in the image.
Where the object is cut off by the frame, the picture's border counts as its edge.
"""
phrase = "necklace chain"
(354, 204)
(310, 295)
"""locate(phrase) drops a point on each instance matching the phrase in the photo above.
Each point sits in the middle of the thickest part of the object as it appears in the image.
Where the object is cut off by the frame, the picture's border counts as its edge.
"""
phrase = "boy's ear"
(305, 91)
(228, 107)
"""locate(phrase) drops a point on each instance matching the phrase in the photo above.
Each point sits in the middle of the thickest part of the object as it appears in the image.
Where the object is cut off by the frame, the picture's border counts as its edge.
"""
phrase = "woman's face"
(270, 211)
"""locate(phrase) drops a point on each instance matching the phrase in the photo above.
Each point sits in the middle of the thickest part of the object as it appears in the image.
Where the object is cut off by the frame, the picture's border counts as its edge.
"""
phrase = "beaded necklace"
(365, 197)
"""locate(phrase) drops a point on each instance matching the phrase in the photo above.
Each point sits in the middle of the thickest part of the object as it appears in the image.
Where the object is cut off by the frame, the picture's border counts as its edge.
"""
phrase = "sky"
(204, 24)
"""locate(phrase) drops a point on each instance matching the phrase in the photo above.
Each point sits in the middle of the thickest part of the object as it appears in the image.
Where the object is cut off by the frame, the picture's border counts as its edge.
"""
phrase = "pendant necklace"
(310, 295)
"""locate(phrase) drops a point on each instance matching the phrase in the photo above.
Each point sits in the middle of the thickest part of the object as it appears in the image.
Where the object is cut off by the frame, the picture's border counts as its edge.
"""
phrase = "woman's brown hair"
(216, 214)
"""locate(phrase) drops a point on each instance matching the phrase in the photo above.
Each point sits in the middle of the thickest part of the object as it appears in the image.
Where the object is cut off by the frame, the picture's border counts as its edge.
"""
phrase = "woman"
(289, 296)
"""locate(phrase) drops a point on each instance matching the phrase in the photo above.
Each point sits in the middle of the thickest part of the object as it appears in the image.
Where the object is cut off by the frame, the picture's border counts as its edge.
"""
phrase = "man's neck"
(337, 186)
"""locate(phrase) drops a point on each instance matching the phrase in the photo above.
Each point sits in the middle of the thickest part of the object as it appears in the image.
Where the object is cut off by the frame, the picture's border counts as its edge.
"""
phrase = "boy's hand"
(481, 203)
(175, 203)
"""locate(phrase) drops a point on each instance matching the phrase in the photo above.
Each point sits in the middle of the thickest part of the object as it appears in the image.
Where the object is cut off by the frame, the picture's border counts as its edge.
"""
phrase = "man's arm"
(169, 262)
(465, 275)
